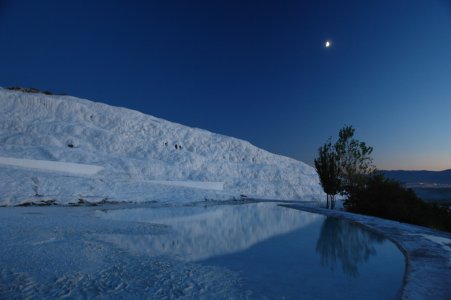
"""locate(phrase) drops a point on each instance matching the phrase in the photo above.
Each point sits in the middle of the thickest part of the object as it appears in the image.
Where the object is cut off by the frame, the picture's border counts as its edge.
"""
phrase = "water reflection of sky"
(279, 252)
(196, 233)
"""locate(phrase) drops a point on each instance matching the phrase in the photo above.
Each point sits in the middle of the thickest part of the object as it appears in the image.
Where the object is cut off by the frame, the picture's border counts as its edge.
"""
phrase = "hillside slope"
(416, 177)
(64, 148)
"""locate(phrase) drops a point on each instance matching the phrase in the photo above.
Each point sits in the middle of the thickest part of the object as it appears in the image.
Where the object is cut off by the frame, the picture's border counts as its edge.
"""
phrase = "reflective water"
(278, 252)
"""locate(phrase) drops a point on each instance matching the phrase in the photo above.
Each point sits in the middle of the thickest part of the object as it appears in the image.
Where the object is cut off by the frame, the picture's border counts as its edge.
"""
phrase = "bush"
(31, 90)
(388, 199)
(343, 167)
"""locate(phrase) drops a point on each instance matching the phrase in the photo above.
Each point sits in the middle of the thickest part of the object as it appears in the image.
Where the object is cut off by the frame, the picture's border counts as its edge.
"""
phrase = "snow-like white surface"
(154, 251)
(138, 157)
(445, 243)
(54, 253)
(47, 165)
(207, 185)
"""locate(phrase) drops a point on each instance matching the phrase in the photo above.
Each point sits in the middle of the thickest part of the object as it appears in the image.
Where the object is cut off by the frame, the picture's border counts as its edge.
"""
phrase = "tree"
(329, 172)
(346, 167)
(343, 167)
(354, 159)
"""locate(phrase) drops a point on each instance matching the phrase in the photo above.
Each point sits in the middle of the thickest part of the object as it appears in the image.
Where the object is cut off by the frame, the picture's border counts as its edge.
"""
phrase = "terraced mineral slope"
(65, 149)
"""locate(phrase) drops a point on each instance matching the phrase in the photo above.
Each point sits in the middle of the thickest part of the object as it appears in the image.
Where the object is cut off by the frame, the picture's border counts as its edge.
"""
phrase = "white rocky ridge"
(64, 148)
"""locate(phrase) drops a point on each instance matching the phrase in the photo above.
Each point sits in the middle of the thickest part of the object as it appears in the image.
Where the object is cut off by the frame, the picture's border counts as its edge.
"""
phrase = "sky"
(255, 70)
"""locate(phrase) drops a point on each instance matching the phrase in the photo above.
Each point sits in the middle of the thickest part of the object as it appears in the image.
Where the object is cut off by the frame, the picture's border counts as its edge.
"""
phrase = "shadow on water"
(341, 242)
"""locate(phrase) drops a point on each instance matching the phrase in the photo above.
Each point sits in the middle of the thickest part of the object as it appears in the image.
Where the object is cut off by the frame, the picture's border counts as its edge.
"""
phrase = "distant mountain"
(416, 177)
(56, 148)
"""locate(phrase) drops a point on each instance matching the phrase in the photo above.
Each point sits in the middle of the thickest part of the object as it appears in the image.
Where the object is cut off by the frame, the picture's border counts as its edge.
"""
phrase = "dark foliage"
(388, 199)
(354, 159)
(326, 165)
(31, 90)
(343, 167)
(347, 167)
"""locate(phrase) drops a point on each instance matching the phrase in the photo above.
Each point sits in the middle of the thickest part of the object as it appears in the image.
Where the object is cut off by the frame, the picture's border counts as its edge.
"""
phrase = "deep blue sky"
(255, 70)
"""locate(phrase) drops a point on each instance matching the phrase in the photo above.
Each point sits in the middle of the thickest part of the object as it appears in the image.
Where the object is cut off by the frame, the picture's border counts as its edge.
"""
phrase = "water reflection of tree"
(350, 244)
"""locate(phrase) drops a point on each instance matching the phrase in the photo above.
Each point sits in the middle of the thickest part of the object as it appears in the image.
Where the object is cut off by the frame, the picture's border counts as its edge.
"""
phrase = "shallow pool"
(275, 252)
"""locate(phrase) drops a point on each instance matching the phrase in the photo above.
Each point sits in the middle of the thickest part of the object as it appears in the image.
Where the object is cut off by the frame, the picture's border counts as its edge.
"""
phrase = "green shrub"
(388, 199)
(29, 90)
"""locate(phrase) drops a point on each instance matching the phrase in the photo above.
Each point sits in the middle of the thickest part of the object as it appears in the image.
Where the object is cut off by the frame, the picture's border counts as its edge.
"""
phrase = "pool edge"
(427, 270)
